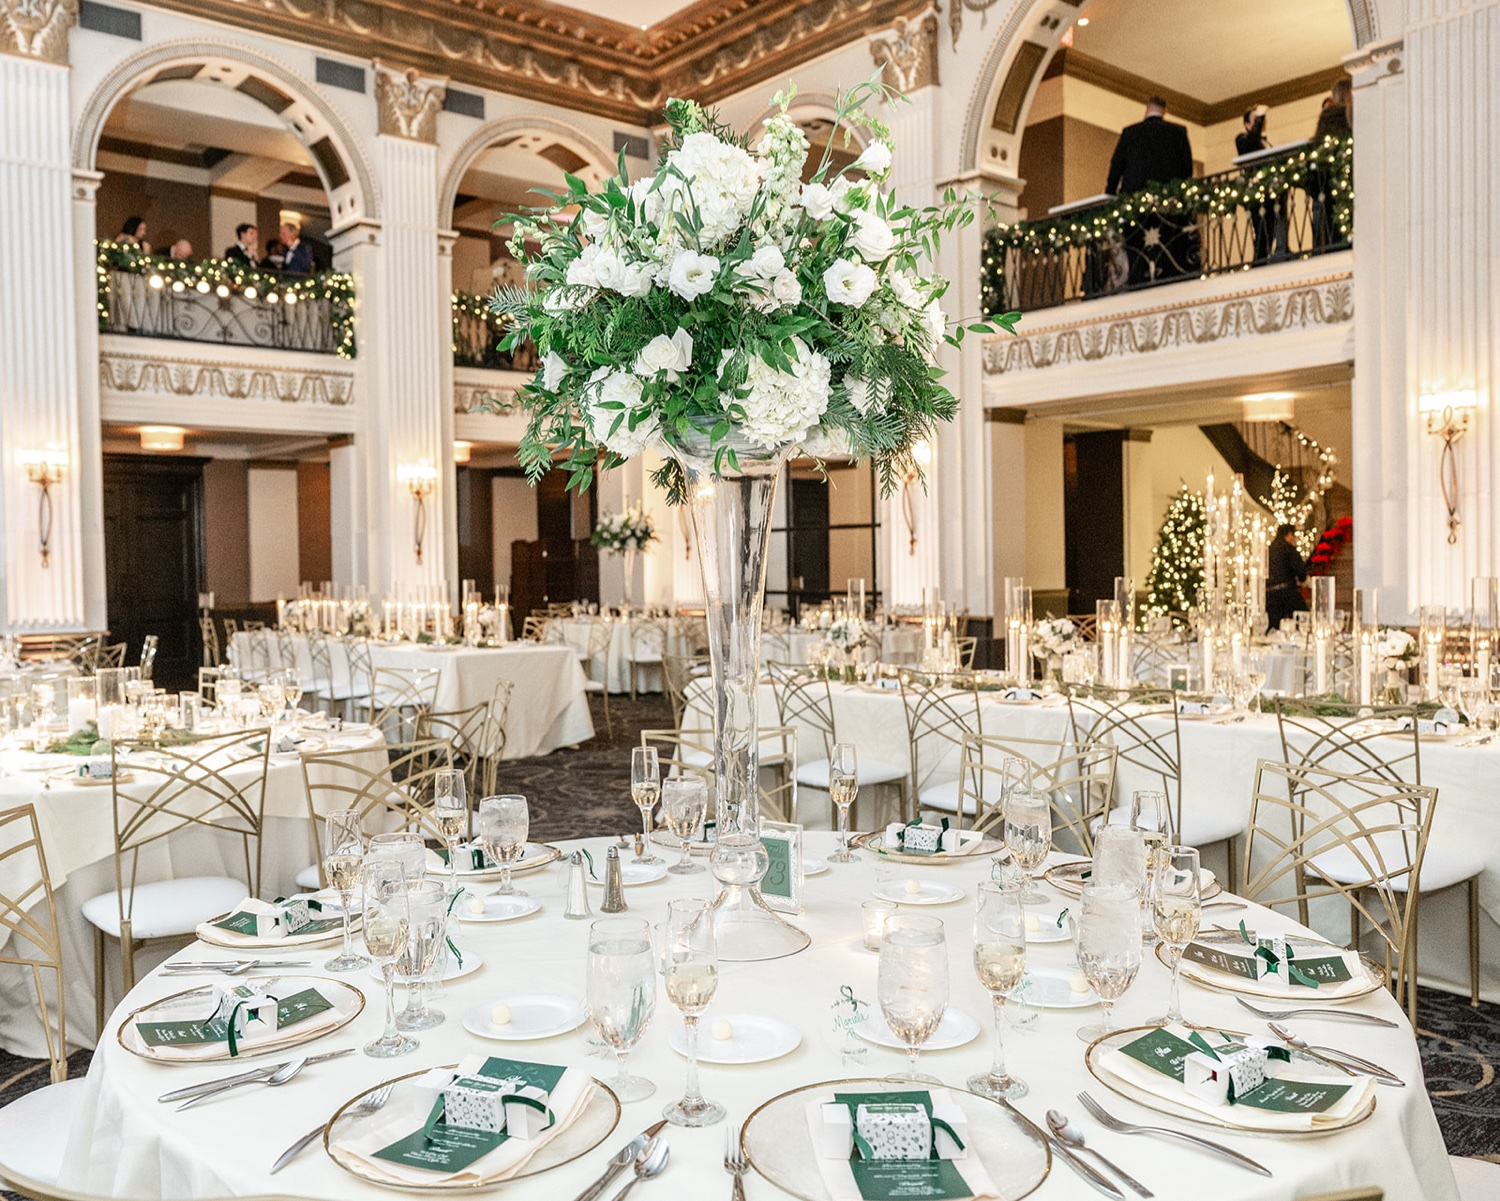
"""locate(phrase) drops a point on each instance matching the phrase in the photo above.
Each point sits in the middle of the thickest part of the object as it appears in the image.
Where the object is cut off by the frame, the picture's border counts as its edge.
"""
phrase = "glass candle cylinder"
(875, 914)
(82, 703)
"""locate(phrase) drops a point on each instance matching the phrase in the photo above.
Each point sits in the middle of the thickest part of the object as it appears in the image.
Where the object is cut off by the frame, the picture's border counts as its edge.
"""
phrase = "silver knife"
(621, 1160)
(208, 1086)
(225, 1086)
(1089, 1173)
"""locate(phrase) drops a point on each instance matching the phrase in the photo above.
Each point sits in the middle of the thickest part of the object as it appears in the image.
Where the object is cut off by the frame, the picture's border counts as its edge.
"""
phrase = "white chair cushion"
(308, 878)
(593, 686)
(646, 657)
(944, 797)
(1441, 867)
(1478, 1179)
(1205, 829)
(167, 908)
(34, 1130)
(871, 771)
(696, 758)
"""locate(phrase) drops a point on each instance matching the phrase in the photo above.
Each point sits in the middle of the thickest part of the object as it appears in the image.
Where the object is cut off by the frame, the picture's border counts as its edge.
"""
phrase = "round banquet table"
(125, 1143)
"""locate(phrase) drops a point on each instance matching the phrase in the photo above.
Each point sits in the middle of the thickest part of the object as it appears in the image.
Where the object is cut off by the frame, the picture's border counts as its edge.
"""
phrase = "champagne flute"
(1149, 815)
(843, 787)
(503, 825)
(691, 975)
(291, 688)
(645, 788)
(1028, 824)
(450, 814)
(912, 984)
(343, 856)
(620, 994)
(427, 909)
(684, 802)
(386, 926)
(1000, 964)
(1176, 910)
(1109, 946)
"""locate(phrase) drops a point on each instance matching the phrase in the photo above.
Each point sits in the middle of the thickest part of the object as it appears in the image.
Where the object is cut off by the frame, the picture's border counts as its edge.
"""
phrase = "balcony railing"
(476, 338)
(216, 300)
(1291, 205)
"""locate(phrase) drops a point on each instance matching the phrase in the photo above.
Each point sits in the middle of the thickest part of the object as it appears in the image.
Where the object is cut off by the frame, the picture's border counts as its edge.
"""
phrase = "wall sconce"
(462, 451)
(44, 468)
(1447, 416)
(420, 480)
(162, 437)
(921, 459)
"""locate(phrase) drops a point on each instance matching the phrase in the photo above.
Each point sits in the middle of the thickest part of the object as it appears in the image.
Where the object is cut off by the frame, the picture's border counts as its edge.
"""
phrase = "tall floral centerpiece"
(727, 316)
(625, 533)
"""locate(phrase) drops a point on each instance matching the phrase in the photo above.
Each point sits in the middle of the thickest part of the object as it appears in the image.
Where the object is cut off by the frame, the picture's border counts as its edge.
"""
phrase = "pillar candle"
(1322, 639)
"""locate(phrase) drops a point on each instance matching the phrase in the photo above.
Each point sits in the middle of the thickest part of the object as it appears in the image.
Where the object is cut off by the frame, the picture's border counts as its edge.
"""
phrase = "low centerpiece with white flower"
(726, 315)
(628, 530)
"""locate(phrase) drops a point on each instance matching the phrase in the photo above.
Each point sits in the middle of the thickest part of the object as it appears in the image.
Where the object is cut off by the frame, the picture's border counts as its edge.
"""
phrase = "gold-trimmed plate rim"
(867, 841)
(1194, 972)
(1074, 888)
(521, 868)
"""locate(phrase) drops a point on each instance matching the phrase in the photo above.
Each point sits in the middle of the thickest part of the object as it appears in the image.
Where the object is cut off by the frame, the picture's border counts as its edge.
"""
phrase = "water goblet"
(1000, 964)
(1028, 824)
(684, 802)
(343, 856)
(1108, 946)
(291, 688)
(912, 985)
(645, 788)
(427, 909)
(1176, 910)
(620, 994)
(385, 924)
(690, 972)
(843, 788)
(504, 822)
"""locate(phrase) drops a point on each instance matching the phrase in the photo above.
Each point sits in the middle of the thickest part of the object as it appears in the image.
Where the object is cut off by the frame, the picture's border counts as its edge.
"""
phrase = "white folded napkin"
(1358, 982)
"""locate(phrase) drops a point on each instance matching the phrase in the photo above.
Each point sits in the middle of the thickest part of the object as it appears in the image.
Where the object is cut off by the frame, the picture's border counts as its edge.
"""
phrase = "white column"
(90, 472)
(445, 395)
(346, 513)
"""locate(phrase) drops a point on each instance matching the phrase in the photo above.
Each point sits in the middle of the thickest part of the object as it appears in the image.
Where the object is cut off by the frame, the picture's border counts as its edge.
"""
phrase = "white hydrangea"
(719, 178)
(826, 442)
(861, 395)
(612, 387)
(782, 406)
(849, 283)
(581, 270)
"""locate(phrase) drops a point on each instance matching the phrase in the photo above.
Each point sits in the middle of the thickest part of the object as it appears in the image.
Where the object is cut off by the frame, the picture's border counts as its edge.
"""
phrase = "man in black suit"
(299, 260)
(1154, 151)
(246, 238)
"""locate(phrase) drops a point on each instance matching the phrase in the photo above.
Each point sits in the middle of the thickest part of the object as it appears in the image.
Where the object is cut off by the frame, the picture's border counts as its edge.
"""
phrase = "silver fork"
(1111, 1122)
(735, 1163)
(369, 1105)
(1347, 1015)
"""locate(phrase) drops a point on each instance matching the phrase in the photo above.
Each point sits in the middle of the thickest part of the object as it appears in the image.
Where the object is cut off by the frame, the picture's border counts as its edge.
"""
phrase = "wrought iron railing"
(217, 300)
(1292, 205)
(477, 334)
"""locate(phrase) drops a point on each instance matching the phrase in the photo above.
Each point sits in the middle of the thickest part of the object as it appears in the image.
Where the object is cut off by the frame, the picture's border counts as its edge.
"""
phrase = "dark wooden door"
(153, 555)
(807, 553)
(1093, 525)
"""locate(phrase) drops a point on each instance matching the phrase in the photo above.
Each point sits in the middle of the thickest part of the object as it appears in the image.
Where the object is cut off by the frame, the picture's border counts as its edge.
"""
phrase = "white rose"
(767, 261)
(817, 201)
(692, 274)
(860, 393)
(904, 288)
(849, 283)
(936, 321)
(635, 279)
(554, 367)
(787, 288)
(581, 270)
(595, 223)
(609, 269)
(663, 354)
(876, 159)
(872, 237)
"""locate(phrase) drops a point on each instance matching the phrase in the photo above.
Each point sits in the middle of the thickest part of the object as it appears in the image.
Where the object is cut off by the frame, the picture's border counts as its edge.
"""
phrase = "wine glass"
(386, 926)
(912, 984)
(645, 788)
(404, 846)
(620, 994)
(343, 855)
(1000, 963)
(450, 814)
(1028, 824)
(1176, 910)
(1109, 946)
(503, 824)
(684, 802)
(691, 973)
(843, 787)
(291, 688)
(427, 908)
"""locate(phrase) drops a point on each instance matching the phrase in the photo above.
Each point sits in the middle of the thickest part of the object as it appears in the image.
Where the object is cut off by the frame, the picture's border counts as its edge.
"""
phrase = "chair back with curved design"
(939, 718)
(1152, 655)
(466, 732)
(83, 653)
(359, 676)
(286, 647)
(648, 647)
(208, 684)
(209, 632)
(1079, 779)
(684, 752)
(1344, 737)
(966, 648)
(401, 699)
(691, 633)
(28, 915)
(111, 655)
(534, 627)
(497, 727)
(1130, 726)
(1086, 625)
(320, 656)
(148, 655)
(805, 703)
(1316, 833)
(677, 671)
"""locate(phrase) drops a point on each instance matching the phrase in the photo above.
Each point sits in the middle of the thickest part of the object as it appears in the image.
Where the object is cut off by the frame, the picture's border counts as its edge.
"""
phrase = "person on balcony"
(245, 238)
(133, 233)
(1154, 151)
(299, 256)
(182, 250)
(1285, 574)
(1268, 219)
(1335, 121)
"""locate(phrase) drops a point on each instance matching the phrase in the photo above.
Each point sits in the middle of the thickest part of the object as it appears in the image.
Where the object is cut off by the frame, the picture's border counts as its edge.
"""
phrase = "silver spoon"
(649, 1164)
(1070, 1136)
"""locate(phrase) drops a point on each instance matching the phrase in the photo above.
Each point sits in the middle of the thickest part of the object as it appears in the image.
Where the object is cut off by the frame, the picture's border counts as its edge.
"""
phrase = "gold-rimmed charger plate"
(873, 841)
(779, 1146)
(69, 775)
(1141, 1096)
(1068, 877)
(1224, 982)
(537, 855)
(588, 1130)
(217, 936)
(190, 1004)
(670, 842)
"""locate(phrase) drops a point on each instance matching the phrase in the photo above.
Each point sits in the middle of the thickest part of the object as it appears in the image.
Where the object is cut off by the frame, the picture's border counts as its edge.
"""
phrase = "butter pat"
(500, 1015)
(1033, 923)
(914, 888)
(476, 906)
(1078, 983)
(722, 1030)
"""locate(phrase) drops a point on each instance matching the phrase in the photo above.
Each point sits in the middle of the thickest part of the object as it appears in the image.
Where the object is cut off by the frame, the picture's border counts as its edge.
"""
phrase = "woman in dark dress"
(1285, 574)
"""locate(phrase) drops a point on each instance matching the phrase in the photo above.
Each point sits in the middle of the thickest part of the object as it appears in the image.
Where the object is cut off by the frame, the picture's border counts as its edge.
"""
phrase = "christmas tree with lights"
(1177, 559)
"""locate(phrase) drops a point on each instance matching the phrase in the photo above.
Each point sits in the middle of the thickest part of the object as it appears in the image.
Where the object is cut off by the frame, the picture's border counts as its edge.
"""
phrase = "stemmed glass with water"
(1028, 824)
(386, 927)
(690, 970)
(645, 790)
(620, 994)
(1176, 911)
(912, 984)
(504, 822)
(1108, 946)
(450, 814)
(843, 788)
(684, 803)
(1000, 964)
(427, 912)
(343, 856)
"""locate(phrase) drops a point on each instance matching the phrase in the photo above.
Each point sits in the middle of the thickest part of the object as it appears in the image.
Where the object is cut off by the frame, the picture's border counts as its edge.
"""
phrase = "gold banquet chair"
(467, 733)
(401, 698)
(1358, 838)
(34, 1127)
(677, 672)
(1078, 778)
(684, 752)
(216, 782)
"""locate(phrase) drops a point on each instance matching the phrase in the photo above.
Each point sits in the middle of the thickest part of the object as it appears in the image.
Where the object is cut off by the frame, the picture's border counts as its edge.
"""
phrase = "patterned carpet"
(585, 792)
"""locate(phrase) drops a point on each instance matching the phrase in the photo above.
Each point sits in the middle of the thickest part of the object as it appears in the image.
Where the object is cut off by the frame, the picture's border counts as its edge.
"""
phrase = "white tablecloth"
(628, 637)
(548, 706)
(126, 1144)
(900, 644)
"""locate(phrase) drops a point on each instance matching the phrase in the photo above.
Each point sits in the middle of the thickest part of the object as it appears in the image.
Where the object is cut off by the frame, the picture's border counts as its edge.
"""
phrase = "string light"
(1176, 574)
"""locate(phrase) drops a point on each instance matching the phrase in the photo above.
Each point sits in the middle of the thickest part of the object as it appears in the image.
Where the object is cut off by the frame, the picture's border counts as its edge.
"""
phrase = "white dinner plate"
(1048, 928)
(753, 1038)
(537, 854)
(634, 873)
(496, 909)
(931, 893)
(814, 867)
(532, 1015)
(956, 1029)
(472, 963)
(1050, 988)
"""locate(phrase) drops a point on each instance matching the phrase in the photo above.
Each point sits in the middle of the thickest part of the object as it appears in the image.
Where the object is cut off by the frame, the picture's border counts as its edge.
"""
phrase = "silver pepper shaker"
(614, 884)
(578, 889)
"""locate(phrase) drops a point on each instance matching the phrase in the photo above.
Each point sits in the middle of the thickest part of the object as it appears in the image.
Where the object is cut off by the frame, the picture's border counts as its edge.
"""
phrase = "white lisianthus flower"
(861, 395)
(872, 237)
(581, 270)
(876, 159)
(663, 354)
(609, 269)
(782, 406)
(554, 367)
(903, 286)
(817, 201)
(621, 391)
(595, 223)
(692, 274)
(787, 288)
(849, 283)
(636, 279)
(647, 202)
(936, 321)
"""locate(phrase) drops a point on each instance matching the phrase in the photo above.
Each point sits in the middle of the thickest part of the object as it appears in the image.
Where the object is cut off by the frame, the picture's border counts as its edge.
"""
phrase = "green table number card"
(782, 886)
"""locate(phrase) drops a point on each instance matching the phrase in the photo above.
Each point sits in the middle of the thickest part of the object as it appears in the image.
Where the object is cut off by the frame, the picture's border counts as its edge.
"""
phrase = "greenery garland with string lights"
(227, 277)
(1177, 558)
(1212, 197)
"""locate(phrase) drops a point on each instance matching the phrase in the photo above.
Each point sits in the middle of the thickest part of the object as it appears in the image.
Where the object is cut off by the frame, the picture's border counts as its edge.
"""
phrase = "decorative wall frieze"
(909, 53)
(138, 375)
(469, 395)
(37, 28)
(408, 102)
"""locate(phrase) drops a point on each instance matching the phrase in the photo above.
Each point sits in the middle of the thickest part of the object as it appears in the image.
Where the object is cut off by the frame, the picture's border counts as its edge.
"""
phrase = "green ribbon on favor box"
(1281, 1054)
(1274, 964)
(234, 1049)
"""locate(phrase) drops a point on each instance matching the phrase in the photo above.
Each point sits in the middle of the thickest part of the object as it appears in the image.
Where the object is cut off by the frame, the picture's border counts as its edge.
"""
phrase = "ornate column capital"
(908, 52)
(86, 184)
(37, 28)
(408, 102)
(1375, 61)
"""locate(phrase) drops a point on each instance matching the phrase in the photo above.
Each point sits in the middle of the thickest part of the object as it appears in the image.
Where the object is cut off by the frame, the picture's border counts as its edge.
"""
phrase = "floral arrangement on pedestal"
(1052, 638)
(628, 530)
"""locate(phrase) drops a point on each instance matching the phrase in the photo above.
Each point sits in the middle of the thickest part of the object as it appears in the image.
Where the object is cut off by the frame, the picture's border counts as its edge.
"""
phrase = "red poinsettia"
(1334, 539)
